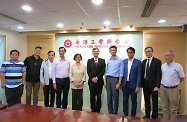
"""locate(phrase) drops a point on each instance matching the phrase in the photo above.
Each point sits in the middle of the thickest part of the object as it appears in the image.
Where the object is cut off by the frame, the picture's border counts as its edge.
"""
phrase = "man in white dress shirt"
(172, 76)
(61, 81)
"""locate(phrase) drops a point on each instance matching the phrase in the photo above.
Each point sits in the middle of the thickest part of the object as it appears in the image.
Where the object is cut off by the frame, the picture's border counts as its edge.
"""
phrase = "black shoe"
(146, 117)
(154, 118)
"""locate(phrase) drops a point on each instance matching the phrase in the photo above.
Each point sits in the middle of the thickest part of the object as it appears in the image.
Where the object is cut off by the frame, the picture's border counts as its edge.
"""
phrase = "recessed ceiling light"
(20, 27)
(60, 25)
(97, 2)
(26, 8)
(106, 23)
(162, 21)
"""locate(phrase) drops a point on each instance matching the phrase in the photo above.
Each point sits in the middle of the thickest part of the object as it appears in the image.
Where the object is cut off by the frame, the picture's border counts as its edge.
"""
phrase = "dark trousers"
(62, 85)
(112, 95)
(49, 90)
(77, 99)
(126, 92)
(13, 95)
(95, 97)
(148, 93)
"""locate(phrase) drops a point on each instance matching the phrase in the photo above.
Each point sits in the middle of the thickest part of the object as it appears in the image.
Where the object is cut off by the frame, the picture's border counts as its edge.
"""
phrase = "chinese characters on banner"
(101, 43)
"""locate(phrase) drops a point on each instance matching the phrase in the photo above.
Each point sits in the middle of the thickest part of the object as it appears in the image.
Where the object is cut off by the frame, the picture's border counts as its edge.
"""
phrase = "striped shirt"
(13, 73)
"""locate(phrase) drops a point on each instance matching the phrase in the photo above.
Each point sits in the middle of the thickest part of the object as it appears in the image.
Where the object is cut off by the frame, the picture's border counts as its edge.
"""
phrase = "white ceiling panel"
(4, 20)
(156, 25)
(134, 21)
(177, 24)
(10, 7)
(182, 20)
(25, 18)
(87, 4)
(169, 20)
(59, 5)
(132, 2)
(131, 12)
(109, 13)
(46, 17)
(73, 15)
(167, 2)
(169, 10)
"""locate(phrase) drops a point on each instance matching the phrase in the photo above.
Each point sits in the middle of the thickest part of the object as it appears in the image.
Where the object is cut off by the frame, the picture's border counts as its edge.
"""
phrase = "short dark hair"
(131, 48)
(148, 47)
(75, 56)
(113, 46)
(51, 51)
(62, 48)
(14, 51)
(38, 47)
(95, 49)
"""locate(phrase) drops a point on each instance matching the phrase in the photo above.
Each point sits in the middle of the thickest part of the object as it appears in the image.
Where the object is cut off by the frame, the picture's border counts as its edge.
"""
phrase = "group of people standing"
(57, 76)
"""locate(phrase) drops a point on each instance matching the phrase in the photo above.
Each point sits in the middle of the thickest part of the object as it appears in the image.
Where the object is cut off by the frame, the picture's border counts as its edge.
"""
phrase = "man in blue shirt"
(13, 74)
(114, 74)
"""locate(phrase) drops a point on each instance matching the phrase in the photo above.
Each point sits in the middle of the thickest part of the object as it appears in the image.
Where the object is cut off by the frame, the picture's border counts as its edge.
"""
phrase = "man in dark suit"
(95, 70)
(151, 75)
(131, 81)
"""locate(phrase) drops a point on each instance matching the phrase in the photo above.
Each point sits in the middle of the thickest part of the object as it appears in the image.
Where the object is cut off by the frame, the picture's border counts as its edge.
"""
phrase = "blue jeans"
(126, 92)
(112, 94)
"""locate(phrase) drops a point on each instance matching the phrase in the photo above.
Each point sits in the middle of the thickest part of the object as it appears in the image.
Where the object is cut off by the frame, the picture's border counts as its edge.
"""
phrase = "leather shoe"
(146, 117)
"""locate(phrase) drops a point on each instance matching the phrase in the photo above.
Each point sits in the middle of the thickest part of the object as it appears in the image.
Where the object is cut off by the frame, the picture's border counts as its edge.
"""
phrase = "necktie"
(96, 62)
(147, 69)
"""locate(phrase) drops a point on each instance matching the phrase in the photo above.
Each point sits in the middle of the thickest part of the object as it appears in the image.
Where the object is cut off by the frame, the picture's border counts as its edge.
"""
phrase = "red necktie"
(96, 63)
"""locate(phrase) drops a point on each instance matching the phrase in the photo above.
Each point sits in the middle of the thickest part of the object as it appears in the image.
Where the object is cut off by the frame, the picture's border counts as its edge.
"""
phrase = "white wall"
(15, 40)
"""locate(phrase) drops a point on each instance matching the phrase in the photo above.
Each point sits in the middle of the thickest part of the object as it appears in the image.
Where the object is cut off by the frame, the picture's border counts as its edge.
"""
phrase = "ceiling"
(74, 14)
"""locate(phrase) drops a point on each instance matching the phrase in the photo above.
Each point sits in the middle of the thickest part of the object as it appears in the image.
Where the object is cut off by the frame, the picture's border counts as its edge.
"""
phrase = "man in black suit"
(95, 70)
(151, 75)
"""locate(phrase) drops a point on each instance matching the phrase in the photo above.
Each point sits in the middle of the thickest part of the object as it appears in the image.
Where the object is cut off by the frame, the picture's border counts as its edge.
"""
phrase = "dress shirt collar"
(49, 61)
(13, 62)
(150, 59)
(170, 64)
(60, 59)
(115, 58)
(96, 59)
(131, 59)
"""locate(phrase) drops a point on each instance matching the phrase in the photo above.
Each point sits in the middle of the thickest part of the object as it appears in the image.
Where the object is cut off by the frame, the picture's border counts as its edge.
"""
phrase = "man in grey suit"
(46, 79)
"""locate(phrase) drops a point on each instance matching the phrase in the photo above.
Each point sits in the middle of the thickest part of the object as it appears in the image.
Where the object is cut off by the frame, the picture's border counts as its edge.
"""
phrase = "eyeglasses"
(148, 51)
(130, 52)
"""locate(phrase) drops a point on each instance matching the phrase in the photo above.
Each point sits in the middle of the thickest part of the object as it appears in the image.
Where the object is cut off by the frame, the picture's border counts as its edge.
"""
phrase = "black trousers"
(148, 93)
(95, 97)
(49, 90)
(13, 95)
(77, 99)
(62, 85)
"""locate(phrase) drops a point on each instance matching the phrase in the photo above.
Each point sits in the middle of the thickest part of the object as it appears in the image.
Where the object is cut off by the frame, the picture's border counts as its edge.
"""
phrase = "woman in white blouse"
(77, 78)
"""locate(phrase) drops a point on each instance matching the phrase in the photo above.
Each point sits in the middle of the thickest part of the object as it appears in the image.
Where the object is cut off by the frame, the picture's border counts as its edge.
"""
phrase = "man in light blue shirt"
(114, 74)
(60, 77)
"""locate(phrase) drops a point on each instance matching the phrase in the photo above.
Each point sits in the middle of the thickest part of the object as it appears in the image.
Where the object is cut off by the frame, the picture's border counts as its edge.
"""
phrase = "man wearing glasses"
(151, 78)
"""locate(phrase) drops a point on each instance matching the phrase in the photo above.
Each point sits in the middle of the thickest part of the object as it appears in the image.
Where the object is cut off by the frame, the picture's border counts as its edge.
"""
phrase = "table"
(28, 113)
(82, 116)
(31, 113)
